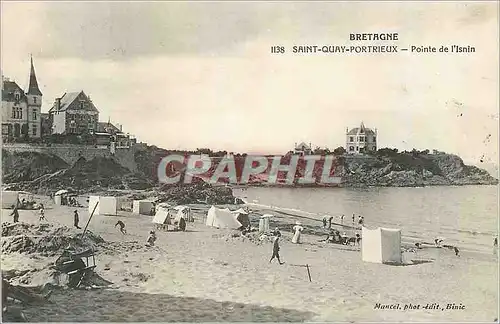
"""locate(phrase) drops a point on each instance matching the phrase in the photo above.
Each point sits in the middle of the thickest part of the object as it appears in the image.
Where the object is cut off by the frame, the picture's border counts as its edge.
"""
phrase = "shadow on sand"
(109, 305)
(413, 262)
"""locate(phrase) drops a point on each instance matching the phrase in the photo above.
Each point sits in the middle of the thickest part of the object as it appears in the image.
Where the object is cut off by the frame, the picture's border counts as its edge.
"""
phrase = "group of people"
(327, 221)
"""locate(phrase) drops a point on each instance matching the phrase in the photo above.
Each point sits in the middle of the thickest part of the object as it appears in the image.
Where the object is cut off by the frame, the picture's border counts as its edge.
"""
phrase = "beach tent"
(162, 215)
(142, 207)
(183, 212)
(381, 245)
(106, 206)
(58, 196)
(222, 218)
(9, 198)
(242, 217)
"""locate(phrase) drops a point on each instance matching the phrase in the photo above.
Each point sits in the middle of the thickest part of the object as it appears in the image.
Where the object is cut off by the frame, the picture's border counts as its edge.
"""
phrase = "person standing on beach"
(42, 213)
(342, 219)
(276, 250)
(457, 252)
(330, 222)
(15, 213)
(76, 219)
(324, 222)
(353, 219)
(298, 229)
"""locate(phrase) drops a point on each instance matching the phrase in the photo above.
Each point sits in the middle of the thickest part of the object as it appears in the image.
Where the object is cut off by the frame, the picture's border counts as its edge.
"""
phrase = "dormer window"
(34, 99)
(82, 104)
(17, 95)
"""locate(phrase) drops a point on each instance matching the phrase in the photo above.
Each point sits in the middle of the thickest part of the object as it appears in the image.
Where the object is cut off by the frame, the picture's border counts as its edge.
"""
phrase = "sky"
(195, 75)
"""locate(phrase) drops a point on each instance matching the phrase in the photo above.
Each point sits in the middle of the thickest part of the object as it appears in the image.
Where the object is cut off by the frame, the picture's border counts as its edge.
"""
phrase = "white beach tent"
(222, 218)
(242, 217)
(106, 206)
(183, 212)
(59, 194)
(162, 214)
(142, 207)
(381, 245)
(9, 198)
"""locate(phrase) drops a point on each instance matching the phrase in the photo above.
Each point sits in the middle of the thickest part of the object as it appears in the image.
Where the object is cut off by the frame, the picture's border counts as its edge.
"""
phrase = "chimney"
(58, 103)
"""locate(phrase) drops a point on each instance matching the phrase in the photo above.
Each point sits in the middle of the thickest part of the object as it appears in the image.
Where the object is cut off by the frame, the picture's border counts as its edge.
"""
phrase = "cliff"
(388, 168)
(36, 171)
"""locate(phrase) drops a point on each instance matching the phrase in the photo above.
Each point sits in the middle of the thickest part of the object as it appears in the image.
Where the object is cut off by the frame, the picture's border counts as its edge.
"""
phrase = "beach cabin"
(142, 207)
(105, 205)
(264, 223)
(9, 199)
(222, 218)
(381, 245)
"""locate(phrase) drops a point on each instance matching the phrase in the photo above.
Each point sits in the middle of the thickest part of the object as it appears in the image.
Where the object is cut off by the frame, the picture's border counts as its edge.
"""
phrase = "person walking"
(76, 220)
(276, 250)
(15, 213)
(122, 226)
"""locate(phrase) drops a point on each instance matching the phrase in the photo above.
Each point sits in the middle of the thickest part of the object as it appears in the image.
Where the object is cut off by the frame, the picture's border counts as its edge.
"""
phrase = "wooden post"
(308, 273)
(88, 222)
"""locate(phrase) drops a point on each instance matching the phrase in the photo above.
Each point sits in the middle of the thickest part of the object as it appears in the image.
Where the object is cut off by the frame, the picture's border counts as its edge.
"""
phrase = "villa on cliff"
(302, 149)
(360, 140)
(21, 110)
(74, 113)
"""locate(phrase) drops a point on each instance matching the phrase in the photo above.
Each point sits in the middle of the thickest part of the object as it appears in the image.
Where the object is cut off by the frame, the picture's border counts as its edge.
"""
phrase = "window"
(82, 104)
(357, 148)
(13, 112)
(374, 139)
(34, 99)
(351, 148)
(362, 131)
(361, 138)
(351, 139)
(5, 129)
(17, 96)
(34, 114)
(34, 129)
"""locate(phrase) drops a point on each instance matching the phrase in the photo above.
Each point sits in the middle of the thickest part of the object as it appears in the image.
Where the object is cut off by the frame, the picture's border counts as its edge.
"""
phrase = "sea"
(465, 216)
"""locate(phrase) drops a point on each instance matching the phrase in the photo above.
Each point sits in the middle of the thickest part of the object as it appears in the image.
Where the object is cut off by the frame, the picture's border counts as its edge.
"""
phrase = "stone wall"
(71, 153)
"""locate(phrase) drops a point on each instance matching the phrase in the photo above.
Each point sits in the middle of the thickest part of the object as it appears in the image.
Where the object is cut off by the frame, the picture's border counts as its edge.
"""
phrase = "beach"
(206, 274)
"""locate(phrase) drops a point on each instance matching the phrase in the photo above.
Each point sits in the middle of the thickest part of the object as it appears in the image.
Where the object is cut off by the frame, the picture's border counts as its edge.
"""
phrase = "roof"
(9, 89)
(361, 129)
(69, 97)
(33, 86)
(303, 145)
(105, 126)
(354, 131)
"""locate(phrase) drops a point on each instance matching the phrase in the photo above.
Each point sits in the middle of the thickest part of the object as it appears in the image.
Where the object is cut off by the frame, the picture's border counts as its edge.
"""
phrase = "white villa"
(360, 140)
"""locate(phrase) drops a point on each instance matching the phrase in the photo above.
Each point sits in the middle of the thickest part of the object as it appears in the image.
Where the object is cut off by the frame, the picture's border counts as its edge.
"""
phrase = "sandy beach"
(205, 274)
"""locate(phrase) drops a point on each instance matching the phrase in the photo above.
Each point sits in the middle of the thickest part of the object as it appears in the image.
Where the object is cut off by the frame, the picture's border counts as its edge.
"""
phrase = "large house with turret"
(361, 140)
(21, 110)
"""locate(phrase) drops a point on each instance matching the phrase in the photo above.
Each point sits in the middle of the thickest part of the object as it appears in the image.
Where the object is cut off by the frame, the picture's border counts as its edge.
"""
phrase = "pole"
(88, 222)
(308, 273)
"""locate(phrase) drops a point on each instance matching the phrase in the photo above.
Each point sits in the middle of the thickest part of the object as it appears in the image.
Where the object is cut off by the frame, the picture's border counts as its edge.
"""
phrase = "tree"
(339, 151)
